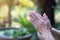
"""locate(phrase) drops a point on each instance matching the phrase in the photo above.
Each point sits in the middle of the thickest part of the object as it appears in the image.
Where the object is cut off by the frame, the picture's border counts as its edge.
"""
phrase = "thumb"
(44, 15)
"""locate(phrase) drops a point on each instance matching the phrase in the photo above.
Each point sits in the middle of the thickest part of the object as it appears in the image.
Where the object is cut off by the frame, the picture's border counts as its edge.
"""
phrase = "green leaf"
(25, 23)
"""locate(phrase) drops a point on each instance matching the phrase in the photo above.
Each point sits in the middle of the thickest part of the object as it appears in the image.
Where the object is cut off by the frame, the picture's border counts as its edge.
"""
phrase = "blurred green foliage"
(25, 23)
(17, 33)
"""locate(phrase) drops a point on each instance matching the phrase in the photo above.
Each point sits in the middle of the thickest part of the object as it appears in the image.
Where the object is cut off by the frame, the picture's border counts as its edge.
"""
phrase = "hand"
(45, 18)
(39, 22)
(42, 24)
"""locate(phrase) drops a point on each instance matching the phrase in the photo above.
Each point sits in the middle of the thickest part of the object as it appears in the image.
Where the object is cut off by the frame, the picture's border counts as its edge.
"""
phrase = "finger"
(32, 16)
(33, 23)
(45, 17)
(37, 15)
(46, 20)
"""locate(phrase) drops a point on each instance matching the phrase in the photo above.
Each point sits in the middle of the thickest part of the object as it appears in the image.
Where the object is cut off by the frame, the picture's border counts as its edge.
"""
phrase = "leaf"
(25, 23)
(23, 20)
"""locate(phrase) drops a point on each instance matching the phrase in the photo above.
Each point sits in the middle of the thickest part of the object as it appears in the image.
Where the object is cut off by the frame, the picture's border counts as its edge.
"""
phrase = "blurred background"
(14, 13)
(10, 9)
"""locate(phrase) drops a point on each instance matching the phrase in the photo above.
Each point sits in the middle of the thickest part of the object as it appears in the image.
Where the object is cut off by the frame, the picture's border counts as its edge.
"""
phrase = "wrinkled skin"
(42, 25)
(39, 22)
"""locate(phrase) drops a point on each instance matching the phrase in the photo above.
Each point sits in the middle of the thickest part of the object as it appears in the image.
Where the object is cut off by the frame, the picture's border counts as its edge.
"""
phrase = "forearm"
(56, 33)
(46, 36)
(53, 30)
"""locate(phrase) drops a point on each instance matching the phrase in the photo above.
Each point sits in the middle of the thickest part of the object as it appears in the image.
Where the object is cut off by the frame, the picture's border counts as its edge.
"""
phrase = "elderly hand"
(42, 24)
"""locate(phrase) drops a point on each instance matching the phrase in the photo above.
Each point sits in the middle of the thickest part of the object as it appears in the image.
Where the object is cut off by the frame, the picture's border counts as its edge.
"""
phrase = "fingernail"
(44, 14)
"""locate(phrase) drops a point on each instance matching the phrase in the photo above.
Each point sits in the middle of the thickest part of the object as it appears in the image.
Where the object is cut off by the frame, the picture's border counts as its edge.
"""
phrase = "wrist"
(46, 35)
(40, 37)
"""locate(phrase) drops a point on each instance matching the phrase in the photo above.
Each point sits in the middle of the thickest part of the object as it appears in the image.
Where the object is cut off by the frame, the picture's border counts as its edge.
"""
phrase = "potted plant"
(23, 33)
(25, 23)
